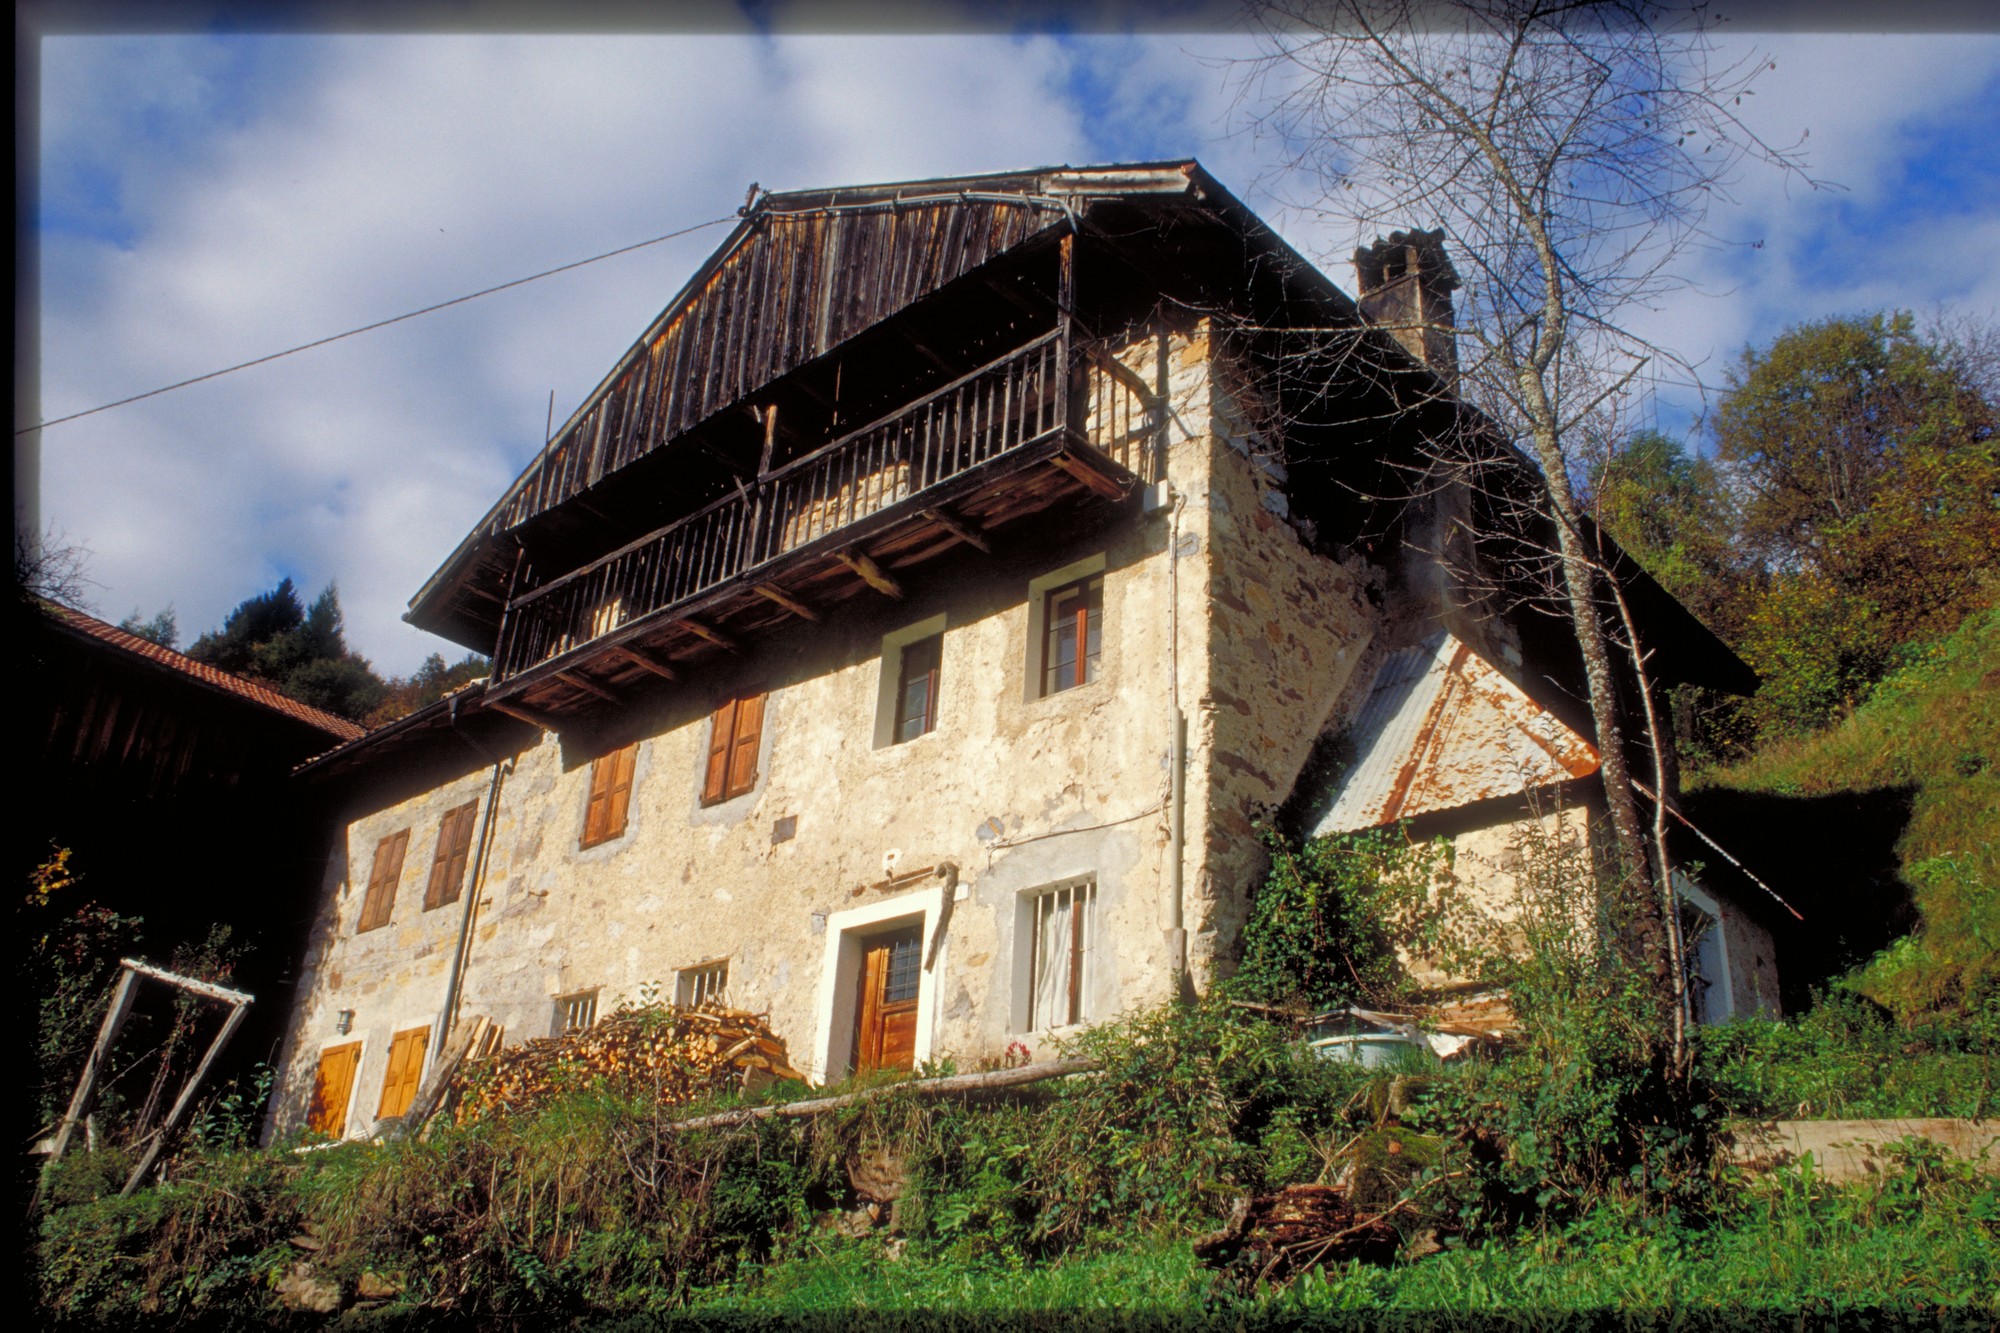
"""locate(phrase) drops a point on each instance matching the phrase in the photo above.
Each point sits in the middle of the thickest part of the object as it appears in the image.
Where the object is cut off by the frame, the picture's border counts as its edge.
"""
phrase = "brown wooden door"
(333, 1087)
(885, 1032)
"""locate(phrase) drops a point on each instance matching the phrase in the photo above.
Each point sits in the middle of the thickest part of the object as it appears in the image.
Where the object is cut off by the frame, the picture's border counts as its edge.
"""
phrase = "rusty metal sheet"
(1441, 728)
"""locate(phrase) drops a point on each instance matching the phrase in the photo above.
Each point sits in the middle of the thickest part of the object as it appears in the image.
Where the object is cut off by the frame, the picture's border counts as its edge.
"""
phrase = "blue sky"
(207, 199)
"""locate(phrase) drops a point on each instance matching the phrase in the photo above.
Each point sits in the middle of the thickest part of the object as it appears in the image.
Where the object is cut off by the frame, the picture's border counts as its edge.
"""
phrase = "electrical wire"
(378, 324)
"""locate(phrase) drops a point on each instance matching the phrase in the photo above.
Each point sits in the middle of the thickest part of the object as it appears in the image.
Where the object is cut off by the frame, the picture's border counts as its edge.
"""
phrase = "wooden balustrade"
(1022, 399)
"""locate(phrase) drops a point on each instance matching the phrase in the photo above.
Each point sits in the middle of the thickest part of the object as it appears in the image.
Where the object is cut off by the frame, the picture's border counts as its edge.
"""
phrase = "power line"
(378, 324)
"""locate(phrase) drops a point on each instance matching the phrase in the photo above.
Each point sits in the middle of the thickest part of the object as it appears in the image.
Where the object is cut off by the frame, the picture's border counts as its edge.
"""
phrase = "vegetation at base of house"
(1541, 1178)
(1932, 726)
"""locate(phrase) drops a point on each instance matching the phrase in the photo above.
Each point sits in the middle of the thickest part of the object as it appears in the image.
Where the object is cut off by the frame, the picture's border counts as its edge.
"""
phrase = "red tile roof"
(211, 676)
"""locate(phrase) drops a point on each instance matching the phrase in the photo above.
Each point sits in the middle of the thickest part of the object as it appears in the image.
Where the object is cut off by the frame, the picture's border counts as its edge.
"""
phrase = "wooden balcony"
(1048, 424)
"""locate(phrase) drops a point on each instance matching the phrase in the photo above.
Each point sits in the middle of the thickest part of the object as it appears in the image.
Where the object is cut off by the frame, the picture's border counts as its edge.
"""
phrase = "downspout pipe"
(1177, 952)
(454, 987)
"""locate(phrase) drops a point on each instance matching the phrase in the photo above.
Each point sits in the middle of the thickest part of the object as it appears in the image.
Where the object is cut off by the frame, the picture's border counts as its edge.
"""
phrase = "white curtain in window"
(1052, 938)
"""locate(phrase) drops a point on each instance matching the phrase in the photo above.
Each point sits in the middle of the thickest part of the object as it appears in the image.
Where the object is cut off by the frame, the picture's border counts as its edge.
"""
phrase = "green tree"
(1672, 511)
(162, 629)
(428, 684)
(301, 651)
(1867, 467)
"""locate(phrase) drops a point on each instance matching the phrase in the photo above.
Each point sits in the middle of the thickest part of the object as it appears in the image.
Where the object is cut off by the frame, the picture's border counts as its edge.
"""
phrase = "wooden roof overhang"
(915, 282)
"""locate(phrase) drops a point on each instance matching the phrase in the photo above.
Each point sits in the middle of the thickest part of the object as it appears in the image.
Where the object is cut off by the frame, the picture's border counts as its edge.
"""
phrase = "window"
(333, 1087)
(453, 847)
(1072, 635)
(610, 795)
(575, 1012)
(406, 1069)
(1063, 941)
(917, 688)
(381, 900)
(702, 983)
(734, 734)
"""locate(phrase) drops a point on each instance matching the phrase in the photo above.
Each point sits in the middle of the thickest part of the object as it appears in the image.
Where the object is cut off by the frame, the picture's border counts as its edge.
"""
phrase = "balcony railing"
(1001, 409)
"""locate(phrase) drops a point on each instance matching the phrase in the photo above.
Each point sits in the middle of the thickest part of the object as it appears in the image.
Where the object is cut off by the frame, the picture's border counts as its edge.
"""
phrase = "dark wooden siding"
(792, 287)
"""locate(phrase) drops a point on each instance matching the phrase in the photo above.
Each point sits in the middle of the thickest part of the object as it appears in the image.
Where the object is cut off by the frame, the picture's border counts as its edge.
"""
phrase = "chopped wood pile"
(1273, 1237)
(676, 1054)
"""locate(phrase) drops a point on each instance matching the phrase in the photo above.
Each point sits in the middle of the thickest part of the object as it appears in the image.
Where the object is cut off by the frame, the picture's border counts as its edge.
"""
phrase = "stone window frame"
(889, 690)
(1081, 1002)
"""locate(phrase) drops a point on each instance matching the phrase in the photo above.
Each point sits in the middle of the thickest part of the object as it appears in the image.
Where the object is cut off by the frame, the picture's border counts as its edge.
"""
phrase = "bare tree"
(1569, 152)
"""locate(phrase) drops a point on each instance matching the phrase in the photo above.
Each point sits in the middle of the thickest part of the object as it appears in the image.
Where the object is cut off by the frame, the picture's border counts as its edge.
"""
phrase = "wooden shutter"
(454, 846)
(721, 730)
(406, 1068)
(332, 1087)
(380, 903)
(743, 751)
(618, 792)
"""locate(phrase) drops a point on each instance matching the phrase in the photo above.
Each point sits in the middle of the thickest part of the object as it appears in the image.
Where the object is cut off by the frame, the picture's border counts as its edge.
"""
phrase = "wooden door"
(885, 1029)
(406, 1067)
(333, 1088)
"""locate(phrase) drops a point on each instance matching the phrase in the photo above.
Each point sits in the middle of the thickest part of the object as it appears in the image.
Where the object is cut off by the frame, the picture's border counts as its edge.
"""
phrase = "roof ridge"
(212, 676)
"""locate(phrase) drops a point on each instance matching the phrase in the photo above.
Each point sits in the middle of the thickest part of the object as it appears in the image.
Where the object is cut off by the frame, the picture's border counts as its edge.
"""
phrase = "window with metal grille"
(917, 688)
(1072, 635)
(701, 983)
(1063, 940)
(575, 1012)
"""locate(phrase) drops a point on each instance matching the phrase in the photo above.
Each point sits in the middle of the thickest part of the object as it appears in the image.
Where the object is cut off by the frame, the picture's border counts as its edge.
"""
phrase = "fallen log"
(1272, 1237)
(923, 1087)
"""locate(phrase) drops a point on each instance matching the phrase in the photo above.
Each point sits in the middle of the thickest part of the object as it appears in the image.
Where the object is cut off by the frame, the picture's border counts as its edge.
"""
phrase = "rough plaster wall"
(1285, 630)
(1753, 971)
(1019, 792)
(393, 977)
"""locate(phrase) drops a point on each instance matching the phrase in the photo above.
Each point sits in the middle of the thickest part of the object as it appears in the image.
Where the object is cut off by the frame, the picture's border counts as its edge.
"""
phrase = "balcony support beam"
(652, 664)
(526, 715)
(1097, 480)
(714, 636)
(958, 529)
(870, 572)
(586, 685)
(786, 600)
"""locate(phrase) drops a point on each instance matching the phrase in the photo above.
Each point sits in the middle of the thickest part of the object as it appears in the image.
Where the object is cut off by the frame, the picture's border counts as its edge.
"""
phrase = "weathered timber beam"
(528, 716)
(995, 1081)
(714, 636)
(786, 600)
(870, 572)
(652, 664)
(1108, 487)
(188, 1089)
(958, 529)
(587, 686)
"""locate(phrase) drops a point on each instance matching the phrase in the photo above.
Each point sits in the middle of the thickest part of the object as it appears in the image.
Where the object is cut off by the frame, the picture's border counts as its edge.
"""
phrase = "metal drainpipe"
(448, 1015)
(1176, 759)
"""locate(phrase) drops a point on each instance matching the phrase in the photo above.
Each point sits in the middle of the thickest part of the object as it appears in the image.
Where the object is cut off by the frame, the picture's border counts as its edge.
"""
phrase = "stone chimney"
(1406, 287)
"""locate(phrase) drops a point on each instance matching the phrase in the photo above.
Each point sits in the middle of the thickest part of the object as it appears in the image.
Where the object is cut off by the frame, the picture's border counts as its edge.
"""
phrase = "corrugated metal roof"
(1441, 728)
(213, 677)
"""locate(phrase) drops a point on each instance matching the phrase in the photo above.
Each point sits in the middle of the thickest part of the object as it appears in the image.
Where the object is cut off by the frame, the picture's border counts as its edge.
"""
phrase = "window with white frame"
(702, 983)
(575, 1012)
(1062, 943)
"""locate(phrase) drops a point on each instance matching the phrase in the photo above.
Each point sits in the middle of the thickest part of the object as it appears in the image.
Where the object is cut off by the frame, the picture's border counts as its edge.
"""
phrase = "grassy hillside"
(1931, 728)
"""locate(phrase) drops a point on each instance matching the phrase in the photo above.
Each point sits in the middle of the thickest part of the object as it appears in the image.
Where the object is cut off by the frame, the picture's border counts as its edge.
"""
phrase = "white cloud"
(221, 199)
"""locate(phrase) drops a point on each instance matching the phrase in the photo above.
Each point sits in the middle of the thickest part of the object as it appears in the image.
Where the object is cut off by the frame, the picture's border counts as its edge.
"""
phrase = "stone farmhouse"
(906, 634)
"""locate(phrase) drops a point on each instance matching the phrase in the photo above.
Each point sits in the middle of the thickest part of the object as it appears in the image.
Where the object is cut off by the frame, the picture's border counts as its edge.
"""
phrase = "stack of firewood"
(665, 1051)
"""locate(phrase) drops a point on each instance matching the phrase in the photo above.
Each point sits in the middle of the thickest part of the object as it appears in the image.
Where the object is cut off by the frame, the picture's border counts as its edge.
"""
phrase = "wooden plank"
(1089, 474)
(713, 635)
(652, 664)
(93, 1067)
(958, 529)
(786, 600)
(870, 573)
(516, 711)
(159, 1139)
(587, 686)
